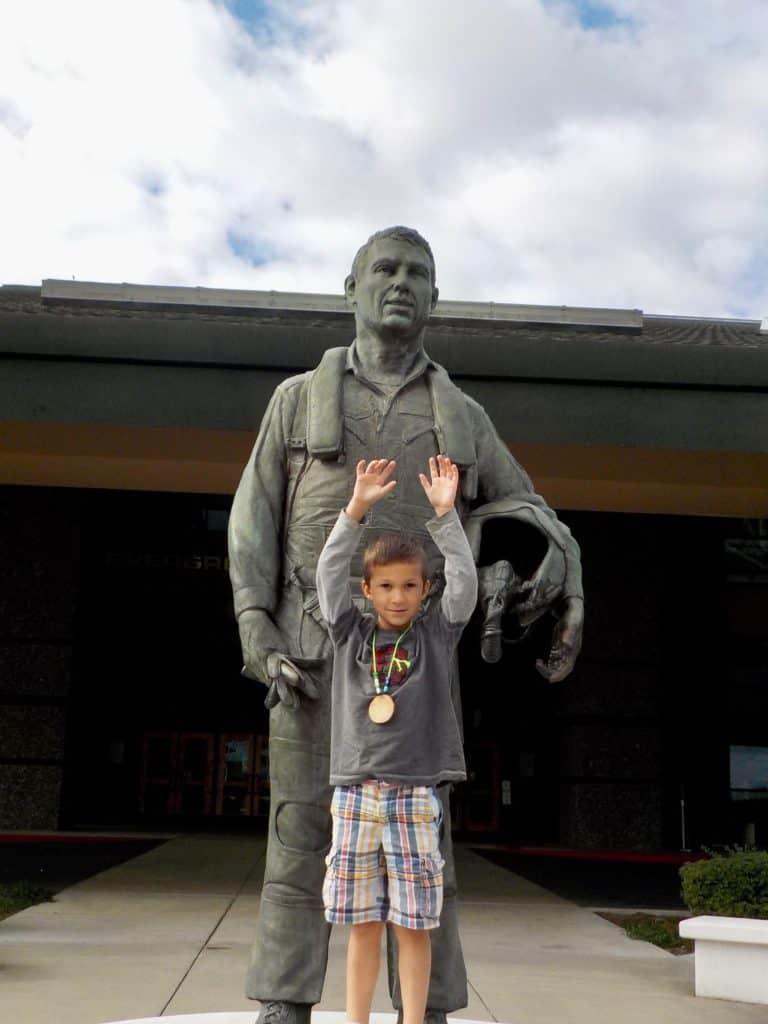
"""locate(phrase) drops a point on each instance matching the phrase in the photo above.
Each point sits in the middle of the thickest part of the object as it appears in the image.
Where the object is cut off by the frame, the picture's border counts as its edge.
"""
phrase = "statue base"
(249, 1017)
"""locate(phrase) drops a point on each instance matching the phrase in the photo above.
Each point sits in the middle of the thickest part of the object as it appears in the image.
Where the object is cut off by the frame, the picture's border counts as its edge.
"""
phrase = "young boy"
(394, 733)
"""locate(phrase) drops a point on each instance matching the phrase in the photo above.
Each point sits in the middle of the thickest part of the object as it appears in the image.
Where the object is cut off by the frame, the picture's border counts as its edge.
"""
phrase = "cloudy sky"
(553, 151)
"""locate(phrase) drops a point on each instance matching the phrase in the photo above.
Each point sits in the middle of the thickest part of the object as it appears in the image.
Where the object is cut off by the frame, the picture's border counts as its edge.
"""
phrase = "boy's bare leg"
(363, 957)
(414, 964)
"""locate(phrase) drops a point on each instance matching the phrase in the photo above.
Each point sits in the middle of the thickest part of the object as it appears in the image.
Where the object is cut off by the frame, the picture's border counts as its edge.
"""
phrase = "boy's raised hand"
(441, 488)
(371, 484)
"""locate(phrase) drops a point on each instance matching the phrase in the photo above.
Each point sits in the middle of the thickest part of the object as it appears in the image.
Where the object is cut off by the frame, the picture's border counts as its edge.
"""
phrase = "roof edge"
(689, 319)
(127, 294)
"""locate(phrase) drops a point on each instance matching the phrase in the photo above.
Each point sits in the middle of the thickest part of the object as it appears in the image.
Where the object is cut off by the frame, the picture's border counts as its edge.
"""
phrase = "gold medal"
(381, 708)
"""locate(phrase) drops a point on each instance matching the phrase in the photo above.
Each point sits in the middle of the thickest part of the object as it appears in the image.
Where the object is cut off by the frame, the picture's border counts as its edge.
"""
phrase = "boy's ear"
(365, 589)
(427, 585)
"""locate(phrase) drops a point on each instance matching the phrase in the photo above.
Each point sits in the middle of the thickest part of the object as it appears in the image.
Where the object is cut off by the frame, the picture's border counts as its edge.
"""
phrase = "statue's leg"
(291, 946)
(448, 980)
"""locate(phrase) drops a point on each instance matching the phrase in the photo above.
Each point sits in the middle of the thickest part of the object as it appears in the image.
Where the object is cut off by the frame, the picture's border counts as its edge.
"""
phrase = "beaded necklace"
(382, 706)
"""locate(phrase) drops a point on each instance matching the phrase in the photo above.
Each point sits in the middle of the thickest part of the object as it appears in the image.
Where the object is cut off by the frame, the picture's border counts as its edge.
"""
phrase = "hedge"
(730, 885)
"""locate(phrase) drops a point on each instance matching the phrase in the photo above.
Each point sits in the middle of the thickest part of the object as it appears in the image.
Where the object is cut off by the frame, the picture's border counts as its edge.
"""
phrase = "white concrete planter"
(731, 958)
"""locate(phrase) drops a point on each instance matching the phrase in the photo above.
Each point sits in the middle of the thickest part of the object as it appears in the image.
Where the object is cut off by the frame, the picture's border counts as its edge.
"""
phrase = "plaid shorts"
(385, 862)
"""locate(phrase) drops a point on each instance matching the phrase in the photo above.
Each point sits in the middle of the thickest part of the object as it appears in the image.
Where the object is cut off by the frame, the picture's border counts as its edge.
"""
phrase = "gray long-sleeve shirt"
(421, 744)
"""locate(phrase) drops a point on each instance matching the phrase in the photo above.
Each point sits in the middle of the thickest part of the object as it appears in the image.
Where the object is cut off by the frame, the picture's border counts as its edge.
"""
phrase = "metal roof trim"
(229, 298)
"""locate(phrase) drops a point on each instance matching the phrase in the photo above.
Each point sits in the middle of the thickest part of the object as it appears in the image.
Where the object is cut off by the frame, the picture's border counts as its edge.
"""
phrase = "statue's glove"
(290, 676)
(566, 641)
(285, 676)
(499, 589)
(509, 603)
(540, 593)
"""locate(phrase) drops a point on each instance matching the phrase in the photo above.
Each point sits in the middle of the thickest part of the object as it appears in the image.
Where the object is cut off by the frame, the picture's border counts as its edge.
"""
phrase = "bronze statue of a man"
(381, 397)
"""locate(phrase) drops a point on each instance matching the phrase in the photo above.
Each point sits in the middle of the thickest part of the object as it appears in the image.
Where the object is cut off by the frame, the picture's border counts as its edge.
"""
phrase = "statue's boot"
(430, 1017)
(278, 1012)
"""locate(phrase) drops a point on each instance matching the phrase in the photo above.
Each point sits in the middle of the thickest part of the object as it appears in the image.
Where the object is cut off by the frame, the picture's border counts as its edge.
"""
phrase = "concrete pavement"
(169, 933)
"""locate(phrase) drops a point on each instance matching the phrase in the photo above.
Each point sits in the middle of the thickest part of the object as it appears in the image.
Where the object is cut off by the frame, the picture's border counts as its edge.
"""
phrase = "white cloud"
(624, 166)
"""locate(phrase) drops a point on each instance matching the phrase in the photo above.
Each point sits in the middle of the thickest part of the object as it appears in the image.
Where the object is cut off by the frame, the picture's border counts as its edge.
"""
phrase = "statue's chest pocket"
(358, 405)
(411, 414)
(360, 420)
(414, 424)
(418, 443)
(397, 435)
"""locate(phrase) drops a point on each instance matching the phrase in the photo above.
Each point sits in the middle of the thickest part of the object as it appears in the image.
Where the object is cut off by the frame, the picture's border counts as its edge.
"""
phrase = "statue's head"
(401, 234)
(392, 283)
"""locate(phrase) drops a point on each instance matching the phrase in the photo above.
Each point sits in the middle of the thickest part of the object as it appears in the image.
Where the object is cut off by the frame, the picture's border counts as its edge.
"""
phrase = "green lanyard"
(374, 666)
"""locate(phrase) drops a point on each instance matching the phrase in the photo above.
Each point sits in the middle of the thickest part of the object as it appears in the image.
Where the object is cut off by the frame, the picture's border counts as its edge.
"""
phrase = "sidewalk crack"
(212, 932)
(480, 999)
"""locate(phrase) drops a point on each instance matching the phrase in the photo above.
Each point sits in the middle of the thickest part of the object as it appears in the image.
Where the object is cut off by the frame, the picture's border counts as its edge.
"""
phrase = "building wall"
(602, 760)
(612, 710)
(585, 757)
(39, 553)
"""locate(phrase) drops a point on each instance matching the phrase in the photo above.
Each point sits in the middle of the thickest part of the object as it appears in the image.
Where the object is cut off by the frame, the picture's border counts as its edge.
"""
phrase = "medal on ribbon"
(382, 706)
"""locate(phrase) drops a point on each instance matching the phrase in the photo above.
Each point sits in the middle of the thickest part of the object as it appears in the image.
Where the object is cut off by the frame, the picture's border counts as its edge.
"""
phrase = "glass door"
(156, 790)
(234, 790)
(194, 782)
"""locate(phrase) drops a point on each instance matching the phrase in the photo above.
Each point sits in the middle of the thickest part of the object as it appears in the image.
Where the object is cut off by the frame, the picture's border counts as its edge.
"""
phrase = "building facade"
(127, 414)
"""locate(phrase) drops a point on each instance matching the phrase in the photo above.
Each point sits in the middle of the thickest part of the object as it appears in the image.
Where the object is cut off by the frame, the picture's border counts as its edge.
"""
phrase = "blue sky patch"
(268, 22)
(591, 14)
(249, 249)
(750, 283)
(254, 15)
(152, 183)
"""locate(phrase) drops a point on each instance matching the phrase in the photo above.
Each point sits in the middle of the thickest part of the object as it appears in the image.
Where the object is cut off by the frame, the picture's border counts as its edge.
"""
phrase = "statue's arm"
(256, 559)
(501, 476)
(255, 540)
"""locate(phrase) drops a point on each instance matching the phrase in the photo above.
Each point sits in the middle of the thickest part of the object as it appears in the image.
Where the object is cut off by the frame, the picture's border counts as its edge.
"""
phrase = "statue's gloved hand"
(285, 676)
(541, 591)
(566, 641)
(499, 588)
(290, 676)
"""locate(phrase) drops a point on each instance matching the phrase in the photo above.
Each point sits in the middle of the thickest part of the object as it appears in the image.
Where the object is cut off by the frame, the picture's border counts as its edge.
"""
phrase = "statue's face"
(393, 291)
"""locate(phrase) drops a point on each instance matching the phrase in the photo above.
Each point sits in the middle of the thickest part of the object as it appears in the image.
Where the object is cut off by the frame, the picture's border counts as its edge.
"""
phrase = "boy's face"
(396, 592)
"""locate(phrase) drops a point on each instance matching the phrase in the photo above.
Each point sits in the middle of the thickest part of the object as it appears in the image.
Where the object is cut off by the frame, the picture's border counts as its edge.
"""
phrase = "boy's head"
(395, 579)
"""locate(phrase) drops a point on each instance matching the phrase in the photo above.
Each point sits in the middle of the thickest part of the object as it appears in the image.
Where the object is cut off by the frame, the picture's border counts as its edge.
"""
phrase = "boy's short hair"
(389, 548)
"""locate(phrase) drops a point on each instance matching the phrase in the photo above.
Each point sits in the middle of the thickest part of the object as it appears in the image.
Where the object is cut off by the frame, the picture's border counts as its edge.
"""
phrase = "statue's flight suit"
(301, 473)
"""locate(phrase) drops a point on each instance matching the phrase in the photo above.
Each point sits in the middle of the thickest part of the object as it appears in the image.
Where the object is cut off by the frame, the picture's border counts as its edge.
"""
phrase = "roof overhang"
(142, 295)
(148, 387)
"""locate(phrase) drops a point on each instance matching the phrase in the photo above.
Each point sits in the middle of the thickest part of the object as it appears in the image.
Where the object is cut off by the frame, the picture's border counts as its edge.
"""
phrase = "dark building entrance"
(162, 724)
(635, 751)
(659, 738)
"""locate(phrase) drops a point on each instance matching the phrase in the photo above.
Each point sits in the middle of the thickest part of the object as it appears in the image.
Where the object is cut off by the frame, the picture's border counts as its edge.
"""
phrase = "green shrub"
(734, 885)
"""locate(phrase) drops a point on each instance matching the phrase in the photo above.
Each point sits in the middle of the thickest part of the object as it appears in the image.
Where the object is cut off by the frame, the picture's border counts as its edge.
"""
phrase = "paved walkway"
(169, 933)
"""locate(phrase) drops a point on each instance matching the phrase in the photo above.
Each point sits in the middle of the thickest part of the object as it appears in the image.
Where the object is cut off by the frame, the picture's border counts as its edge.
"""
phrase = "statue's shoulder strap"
(319, 419)
(454, 424)
(454, 427)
